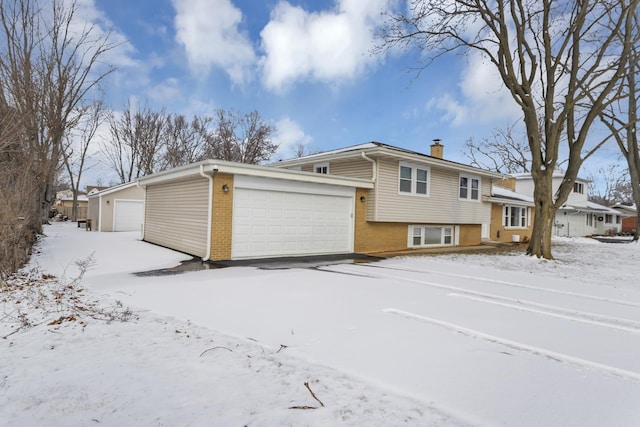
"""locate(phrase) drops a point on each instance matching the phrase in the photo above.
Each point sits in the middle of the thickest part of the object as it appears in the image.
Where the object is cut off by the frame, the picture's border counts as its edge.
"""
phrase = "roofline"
(212, 167)
(113, 189)
(506, 201)
(394, 152)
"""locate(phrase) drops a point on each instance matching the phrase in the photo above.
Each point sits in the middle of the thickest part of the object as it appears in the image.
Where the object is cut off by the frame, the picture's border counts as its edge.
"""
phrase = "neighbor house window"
(578, 187)
(590, 220)
(618, 220)
(469, 187)
(420, 235)
(608, 219)
(321, 168)
(413, 179)
(515, 217)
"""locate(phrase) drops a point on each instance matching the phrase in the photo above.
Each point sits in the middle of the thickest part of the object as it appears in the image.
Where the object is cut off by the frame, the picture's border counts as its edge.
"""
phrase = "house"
(366, 198)
(118, 208)
(578, 217)
(511, 213)
(629, 215)
(64, 204)
(418, 200)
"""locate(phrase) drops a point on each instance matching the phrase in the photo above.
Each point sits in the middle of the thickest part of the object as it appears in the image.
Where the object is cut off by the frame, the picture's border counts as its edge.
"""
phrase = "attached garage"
(224, 210)
(118, 208)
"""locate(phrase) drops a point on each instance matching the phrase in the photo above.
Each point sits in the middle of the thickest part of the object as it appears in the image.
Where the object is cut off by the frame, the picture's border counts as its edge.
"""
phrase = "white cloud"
(208, 30)
(482, 97)
(328, 46)
(289, 135)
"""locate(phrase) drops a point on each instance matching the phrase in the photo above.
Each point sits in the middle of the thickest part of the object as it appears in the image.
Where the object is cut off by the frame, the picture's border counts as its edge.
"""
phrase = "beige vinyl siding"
(176, 215)
(442, 206)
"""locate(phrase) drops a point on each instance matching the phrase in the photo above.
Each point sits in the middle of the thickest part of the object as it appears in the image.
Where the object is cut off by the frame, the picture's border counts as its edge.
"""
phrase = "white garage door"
(279, 222)
(127, 215)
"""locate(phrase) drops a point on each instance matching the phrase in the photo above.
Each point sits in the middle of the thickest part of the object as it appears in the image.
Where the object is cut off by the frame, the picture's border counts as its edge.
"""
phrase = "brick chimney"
(437, 149)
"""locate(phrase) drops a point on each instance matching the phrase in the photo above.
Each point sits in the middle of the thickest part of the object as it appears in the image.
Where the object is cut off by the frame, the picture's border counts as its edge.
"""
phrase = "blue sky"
(304, 65)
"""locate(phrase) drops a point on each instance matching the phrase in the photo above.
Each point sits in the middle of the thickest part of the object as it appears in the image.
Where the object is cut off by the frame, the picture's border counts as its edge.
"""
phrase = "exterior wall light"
(363, 199)
(225, 188)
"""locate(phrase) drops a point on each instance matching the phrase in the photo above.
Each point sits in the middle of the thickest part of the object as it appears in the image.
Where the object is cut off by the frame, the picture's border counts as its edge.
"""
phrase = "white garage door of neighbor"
(279, 223)
(127, 215)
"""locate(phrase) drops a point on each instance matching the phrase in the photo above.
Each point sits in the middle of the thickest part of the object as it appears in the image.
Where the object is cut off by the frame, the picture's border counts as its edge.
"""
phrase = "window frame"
(321, 166)
(447, 236)
(523, 217)
(469, 189)
(608, 218)
(578, 187)
(414, 181)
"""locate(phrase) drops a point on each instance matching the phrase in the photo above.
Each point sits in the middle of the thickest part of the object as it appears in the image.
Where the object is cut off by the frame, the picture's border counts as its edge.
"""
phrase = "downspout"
(144, 214)
(209, 212)
(100, 213)
(374, 173)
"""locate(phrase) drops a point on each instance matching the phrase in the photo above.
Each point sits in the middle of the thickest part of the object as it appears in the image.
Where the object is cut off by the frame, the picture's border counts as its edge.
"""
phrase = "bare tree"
(49, 66)
(502, 152)
(621, 118)
(558, 59)
(610, 185)
(243, 138)
(136, 142)
(185, 141)
(77, 145)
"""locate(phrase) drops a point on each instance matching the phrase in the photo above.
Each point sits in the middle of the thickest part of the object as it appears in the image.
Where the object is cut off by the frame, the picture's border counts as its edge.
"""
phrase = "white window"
(469, 188)
(590, 220)
(321, 168)
(420, 236)
(608, 219)
(515, 217)
(578, 187)
(618, 219)
(413, 179)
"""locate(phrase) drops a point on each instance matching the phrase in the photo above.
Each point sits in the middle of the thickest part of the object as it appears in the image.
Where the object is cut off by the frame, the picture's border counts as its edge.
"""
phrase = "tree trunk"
(545, 211)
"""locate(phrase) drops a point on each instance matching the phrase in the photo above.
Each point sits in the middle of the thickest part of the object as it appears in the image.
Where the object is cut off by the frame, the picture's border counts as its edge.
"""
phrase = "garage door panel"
(127, 215)
(281, 223)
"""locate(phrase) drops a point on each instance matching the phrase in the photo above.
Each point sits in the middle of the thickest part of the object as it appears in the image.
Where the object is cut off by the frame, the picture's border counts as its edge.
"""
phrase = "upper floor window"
(469, 187)
(515, 217)
(413, 179)
(578, 187)
(321, 168)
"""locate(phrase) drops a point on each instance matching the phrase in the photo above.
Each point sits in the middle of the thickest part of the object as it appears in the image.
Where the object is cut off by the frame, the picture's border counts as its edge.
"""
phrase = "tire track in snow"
(537, 351)
(524, 305)
(512, 284)
(553, 311)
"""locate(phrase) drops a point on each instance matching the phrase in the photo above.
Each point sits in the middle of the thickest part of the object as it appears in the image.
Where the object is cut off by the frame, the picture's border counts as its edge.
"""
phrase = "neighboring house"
(119, 208)
(92, 189)
(418, 200)
(511, 213)
(64, 204)
(578, 216)
(629, 217)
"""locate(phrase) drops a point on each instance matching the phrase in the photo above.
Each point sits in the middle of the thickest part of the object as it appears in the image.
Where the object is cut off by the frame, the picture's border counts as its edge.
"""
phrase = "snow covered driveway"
(486, 339)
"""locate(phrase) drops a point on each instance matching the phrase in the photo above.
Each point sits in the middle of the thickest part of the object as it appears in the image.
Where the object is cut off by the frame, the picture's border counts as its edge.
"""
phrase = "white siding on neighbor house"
(442, 206)
(176, 215)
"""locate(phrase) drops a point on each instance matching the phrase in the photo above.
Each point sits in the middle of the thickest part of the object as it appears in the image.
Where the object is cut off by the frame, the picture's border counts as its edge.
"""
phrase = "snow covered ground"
(441, 340)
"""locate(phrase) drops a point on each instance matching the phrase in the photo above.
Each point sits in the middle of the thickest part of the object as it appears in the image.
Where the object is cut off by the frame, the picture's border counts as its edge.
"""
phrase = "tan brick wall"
(470, 234)
(221, 222)
(373, 237)
(506, 235)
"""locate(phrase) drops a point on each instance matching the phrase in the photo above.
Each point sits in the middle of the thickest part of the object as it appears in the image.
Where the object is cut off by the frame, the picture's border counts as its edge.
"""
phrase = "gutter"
(209, 210)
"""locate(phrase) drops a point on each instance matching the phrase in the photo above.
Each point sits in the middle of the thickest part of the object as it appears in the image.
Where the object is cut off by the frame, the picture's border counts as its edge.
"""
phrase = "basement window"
(425, 236)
